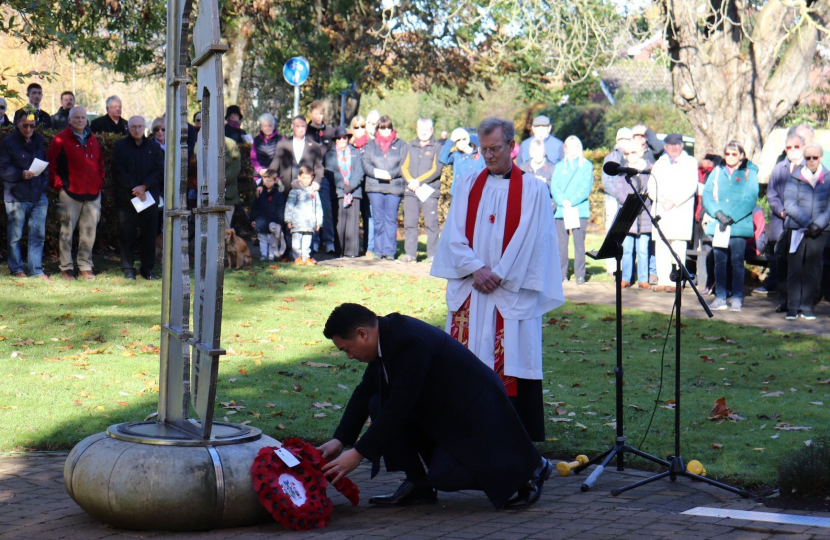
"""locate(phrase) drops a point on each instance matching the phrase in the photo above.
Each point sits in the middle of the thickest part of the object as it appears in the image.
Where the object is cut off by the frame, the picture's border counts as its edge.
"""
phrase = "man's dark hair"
(32, 86)
(299, 117)
(67, 93)
(347, 318)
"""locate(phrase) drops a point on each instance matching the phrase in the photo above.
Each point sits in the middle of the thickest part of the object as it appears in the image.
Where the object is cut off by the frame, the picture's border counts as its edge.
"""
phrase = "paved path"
(757, 310)
(34, 505)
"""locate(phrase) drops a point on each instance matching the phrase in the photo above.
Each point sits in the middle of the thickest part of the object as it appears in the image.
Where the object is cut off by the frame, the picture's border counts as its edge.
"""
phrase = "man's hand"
(782, 215)
(342, 466)
(814, 231)
(331, 449)
(28, 175)
(289, 225)
(259, 189)
(485, 281)
(668, 205)
(140, 192)
(413, 185)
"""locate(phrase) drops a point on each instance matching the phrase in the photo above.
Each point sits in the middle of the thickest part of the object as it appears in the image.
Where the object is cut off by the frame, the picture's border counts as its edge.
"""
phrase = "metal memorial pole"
(181, 471)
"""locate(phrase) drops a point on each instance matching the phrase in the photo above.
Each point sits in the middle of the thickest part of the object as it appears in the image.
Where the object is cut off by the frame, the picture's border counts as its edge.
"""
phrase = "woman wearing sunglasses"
(808, 214)
(730, 196)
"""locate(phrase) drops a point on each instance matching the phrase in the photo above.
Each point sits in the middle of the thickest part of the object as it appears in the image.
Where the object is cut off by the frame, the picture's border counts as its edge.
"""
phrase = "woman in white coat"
(672, 187)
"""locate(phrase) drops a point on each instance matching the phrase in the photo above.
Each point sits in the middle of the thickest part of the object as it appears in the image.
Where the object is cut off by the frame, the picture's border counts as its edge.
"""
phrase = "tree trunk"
(238, 39)
(735, 81)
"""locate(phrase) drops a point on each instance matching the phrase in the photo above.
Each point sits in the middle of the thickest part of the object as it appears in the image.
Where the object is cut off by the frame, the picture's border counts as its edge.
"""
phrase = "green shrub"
(654, 109)
(585, 121)
(806, 472)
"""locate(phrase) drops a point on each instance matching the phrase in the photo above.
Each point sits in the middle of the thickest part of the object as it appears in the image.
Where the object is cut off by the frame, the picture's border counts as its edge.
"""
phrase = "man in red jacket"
(76, 172)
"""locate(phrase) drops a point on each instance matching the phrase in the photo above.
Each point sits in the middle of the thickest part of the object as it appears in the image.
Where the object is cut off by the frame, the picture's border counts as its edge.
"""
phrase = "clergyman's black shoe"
(406, 494)
(149, 276)
(529, 494)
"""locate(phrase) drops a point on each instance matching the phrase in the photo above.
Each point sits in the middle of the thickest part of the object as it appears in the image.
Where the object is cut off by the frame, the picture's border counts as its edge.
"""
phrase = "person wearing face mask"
(462, 155)
(570, 187)
(233, 124)
(807, 204)
(776, 279)
(639, 236)
(729, 196)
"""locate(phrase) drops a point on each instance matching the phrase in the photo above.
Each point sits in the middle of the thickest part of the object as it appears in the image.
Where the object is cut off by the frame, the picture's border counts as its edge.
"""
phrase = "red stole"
(460, 326)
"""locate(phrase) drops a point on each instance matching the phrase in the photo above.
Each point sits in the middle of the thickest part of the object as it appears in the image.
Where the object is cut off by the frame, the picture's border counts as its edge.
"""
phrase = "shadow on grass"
(286, 379)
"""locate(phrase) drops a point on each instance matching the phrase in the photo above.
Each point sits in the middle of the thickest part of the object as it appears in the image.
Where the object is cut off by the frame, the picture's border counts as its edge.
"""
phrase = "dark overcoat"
(439, 388)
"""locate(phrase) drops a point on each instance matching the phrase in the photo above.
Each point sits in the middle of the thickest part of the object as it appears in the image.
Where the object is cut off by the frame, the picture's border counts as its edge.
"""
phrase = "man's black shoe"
(406, 494)
(129, 273)
(529, 494)
(149, 276)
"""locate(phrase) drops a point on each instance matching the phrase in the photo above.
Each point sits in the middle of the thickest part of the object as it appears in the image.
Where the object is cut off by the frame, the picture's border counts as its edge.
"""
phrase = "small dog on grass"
(276, 241)
(237, 252)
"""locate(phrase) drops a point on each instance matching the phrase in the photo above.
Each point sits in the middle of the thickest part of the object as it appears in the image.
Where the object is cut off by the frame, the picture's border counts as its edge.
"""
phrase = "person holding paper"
(498, 253)
(138, 173)
(76, 172)
(570, 186)
(23, 170)
(807, 207)
(382, 161)
(422, 172)
(729, 196)
(433, 403)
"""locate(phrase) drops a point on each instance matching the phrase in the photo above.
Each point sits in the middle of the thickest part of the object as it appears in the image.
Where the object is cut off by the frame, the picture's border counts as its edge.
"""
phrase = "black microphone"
(615, 169)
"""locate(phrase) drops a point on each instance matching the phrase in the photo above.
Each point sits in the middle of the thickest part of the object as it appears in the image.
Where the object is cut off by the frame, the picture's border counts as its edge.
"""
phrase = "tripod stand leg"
(636, 452)
(592, 479)
(742, 492)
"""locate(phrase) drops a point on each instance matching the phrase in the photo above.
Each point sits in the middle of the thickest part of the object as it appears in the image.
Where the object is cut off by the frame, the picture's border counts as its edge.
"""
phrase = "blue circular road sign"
(296, 71)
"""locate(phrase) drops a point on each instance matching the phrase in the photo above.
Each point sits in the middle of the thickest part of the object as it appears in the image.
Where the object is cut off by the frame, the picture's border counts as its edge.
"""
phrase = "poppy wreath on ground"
(296, 497)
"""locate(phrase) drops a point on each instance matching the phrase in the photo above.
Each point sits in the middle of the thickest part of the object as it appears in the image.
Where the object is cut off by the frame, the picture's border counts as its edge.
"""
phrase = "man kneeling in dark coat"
(431, 402)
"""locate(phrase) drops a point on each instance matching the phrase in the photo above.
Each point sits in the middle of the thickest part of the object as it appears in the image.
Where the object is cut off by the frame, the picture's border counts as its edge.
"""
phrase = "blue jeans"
(18, 213)
(736, 252)
(385, 216)
(641, 241)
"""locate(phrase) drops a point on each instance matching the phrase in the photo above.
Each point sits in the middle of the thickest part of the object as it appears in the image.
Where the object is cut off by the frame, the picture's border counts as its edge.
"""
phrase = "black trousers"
(804, 273)
(147, 223)
(782, 257)
(348, 228)
(414, 449)
(412, 207)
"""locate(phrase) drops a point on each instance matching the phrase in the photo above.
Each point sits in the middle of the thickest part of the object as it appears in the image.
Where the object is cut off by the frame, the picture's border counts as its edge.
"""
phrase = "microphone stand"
(680, 274)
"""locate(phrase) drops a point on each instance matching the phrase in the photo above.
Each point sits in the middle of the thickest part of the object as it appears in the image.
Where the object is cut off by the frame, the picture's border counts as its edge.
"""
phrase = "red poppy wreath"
(296, 496)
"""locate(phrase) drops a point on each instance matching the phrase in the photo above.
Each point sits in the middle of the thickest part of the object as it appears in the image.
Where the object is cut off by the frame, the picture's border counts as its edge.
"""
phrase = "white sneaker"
(736, 305)
(718, 305)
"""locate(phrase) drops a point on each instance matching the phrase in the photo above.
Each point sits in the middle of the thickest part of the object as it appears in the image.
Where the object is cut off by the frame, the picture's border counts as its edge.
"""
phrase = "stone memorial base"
(148, 476)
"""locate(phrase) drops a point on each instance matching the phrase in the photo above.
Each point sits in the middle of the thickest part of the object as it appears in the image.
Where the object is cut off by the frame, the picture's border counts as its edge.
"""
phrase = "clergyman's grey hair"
(488, 125)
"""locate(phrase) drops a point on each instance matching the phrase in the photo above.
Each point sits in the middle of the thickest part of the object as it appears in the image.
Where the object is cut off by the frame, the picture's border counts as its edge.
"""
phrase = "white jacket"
(672, 187)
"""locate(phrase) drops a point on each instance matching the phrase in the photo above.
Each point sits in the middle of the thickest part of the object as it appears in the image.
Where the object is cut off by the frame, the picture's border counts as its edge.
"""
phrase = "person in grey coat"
(639, 236)
(807, 204)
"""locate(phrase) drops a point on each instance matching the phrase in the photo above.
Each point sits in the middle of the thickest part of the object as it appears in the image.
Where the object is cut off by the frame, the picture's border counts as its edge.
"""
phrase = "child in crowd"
(303, 215)
(266, 210)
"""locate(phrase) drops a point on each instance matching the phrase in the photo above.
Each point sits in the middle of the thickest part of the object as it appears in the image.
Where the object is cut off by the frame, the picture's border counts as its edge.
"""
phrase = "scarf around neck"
(344, 163)
(386, 142)
(360, 142)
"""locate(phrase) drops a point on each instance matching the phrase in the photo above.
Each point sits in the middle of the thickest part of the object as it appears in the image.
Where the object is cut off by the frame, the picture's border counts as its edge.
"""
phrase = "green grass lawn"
(77, 357)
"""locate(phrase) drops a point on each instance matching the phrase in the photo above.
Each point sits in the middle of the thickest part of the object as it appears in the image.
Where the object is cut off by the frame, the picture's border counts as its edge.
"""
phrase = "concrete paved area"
(34, 505)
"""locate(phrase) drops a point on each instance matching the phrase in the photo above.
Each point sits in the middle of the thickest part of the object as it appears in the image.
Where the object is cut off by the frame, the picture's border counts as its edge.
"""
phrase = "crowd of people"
(319, 187)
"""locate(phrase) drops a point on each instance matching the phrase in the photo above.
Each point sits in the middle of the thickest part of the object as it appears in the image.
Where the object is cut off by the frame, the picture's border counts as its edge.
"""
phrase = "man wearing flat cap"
(554, 148)
(672, 187)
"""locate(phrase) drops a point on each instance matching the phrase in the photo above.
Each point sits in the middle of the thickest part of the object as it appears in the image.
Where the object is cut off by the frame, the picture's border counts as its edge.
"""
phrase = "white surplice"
(531, 281)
